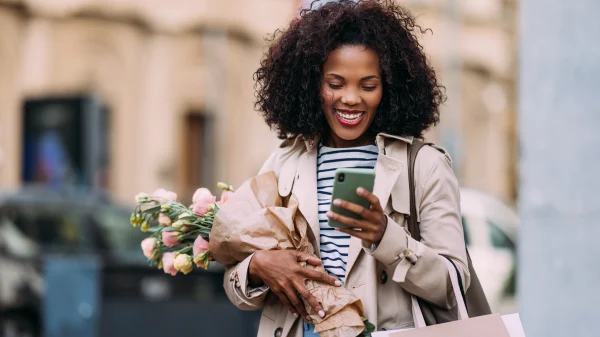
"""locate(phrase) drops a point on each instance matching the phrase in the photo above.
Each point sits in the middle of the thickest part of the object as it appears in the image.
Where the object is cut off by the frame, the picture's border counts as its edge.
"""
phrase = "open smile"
(349, 117)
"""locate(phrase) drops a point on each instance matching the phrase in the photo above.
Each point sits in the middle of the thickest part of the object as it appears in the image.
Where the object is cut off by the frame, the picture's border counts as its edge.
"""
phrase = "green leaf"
(151, 210)
(369, 328)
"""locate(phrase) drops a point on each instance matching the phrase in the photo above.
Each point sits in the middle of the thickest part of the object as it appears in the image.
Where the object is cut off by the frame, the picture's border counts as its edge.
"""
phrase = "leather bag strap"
(412, 151)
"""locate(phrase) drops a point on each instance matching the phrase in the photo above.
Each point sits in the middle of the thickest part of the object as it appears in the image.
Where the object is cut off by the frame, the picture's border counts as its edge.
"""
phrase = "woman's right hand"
(281, 272)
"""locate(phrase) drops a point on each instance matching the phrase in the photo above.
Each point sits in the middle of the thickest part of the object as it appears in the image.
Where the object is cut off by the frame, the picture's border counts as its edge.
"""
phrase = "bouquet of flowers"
(253, 218)
(179, 234)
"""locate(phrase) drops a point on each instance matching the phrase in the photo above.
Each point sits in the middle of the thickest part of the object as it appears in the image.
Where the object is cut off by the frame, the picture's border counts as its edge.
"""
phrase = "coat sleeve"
(419, 267)
(235, 281)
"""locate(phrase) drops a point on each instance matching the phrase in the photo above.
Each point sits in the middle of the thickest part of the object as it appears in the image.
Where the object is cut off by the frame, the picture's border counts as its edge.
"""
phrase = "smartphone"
(347, 180)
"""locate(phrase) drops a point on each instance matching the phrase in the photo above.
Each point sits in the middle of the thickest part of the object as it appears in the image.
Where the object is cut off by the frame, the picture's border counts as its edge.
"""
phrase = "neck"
(337, 142)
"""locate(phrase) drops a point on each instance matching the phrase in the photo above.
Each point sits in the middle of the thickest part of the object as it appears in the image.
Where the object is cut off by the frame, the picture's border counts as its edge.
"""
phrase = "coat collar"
(312, 144)
(391, 176)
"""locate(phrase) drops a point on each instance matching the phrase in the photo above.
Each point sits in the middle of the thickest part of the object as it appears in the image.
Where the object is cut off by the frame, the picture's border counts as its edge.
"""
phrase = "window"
(197, 157)
(65, 141)
(466, 231)
(56, 228)
(499, 238)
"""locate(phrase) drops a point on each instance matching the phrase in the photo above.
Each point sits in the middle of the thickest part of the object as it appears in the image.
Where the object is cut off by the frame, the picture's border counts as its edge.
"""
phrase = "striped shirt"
(335, 245)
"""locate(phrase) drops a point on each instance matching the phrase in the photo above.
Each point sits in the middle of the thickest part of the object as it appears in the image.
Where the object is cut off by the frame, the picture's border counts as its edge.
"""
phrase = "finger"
(365, 213)
(308, 258)
(296, 302)
(367, 236)
(283, 297)
(320, 277)
(310, 299)
(350, 222)
(371, 198)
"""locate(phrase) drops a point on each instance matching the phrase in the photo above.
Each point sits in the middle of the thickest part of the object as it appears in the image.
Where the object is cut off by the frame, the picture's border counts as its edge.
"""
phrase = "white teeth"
(349, 117)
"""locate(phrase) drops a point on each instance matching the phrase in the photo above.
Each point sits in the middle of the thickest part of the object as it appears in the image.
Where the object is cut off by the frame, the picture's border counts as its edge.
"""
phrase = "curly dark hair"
(288, 80)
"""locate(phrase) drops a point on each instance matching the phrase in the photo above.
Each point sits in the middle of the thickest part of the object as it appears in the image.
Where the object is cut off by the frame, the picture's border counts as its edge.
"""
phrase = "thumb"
(308, 258)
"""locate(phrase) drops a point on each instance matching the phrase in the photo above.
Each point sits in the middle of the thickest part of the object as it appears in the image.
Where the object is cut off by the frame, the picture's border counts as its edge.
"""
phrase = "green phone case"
(347, 180)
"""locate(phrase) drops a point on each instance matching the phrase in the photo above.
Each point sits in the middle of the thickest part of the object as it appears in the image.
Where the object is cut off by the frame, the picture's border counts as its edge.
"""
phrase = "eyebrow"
(342, 77)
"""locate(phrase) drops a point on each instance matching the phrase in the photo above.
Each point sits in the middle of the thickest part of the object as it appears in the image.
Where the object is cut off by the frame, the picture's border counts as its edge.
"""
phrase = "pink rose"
(164, 220)
(168, 263)
(164, 195)
(148, 247)
(225, 196)
(203, 204)
(200, 246)
(201, 192)
(170, 238)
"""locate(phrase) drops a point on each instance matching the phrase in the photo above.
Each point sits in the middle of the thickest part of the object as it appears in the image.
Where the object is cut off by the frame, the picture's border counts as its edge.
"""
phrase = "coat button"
(278, 332)
(383, 277)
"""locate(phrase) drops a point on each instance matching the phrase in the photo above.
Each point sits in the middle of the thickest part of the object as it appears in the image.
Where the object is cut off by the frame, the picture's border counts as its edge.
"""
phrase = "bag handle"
(413, 227)
(419, 319)
(412, 151)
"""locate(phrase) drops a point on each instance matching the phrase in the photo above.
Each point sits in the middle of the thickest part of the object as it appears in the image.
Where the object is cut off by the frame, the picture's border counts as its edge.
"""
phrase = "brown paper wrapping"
(256, 218)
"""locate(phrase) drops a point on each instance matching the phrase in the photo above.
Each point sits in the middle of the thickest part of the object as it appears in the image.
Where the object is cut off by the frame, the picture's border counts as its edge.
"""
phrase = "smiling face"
(351, 89)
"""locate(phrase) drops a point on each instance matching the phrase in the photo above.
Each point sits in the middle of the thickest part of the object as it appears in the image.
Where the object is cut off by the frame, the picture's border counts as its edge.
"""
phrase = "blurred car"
(48, 285)
(490, 228)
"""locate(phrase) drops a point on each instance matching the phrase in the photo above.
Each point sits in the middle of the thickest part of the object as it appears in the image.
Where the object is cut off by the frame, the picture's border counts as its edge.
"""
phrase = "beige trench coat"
(383, 279)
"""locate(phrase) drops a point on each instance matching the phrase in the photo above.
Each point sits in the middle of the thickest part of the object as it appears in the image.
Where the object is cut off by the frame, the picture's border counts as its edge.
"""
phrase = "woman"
(348, 85)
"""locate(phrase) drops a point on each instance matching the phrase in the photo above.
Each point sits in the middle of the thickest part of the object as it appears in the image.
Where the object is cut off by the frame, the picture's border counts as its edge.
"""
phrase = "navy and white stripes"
(335, 245)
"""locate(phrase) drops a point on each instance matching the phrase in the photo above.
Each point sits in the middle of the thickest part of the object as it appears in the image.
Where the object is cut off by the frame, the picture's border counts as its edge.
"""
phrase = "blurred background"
(102, 99)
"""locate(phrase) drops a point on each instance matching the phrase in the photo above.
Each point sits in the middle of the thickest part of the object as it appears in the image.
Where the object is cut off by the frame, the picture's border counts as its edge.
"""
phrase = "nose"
(351, 97)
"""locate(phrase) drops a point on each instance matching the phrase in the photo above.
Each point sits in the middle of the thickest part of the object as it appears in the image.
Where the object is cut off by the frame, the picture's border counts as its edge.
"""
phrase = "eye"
(369, 87)
(335, 86)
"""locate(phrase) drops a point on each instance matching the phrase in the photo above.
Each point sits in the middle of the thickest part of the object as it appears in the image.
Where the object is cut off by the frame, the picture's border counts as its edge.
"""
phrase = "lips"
(349, 117)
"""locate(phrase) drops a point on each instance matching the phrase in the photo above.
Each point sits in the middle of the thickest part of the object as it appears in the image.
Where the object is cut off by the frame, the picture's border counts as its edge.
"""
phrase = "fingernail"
(321, 313)
(329, 214)
(360, 190)
(338, 283)
(295, 315)
(337, 202)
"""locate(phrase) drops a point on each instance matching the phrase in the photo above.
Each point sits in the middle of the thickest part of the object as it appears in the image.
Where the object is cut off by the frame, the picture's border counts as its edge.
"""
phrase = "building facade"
(171, 89)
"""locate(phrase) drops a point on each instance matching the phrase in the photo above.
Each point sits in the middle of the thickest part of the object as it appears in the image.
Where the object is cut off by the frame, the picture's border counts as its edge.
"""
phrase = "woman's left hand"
(373, 224)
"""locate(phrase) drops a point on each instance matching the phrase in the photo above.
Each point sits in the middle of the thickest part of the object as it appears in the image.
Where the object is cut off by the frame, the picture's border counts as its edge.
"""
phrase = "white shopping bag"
(513, 325)
(474, 326)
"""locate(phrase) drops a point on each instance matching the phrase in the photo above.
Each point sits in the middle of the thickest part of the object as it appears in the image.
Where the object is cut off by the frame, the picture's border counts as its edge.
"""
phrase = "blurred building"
(129, 95)
(174, 79)
(473, 47)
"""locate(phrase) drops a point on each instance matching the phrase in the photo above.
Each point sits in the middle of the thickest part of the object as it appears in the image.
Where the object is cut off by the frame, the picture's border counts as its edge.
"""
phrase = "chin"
(348, 136)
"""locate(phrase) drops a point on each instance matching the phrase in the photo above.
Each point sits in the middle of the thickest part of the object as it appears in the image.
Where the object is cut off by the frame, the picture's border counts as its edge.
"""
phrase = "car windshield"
(56, 229)
(122, 239)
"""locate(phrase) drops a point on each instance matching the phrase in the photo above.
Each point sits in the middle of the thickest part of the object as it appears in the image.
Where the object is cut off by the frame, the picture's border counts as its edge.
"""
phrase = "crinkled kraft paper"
(255, 218)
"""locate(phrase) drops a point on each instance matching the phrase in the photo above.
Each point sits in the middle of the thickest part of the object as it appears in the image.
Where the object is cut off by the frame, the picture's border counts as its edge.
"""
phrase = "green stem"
(185, 250)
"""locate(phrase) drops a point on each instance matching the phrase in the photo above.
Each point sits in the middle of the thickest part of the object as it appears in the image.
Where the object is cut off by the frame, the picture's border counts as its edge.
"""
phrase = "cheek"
(375, 99)
(328, 96)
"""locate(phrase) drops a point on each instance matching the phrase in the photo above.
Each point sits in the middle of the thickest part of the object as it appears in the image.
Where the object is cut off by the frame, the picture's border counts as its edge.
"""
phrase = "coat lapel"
(305, 189)
(387, 171)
